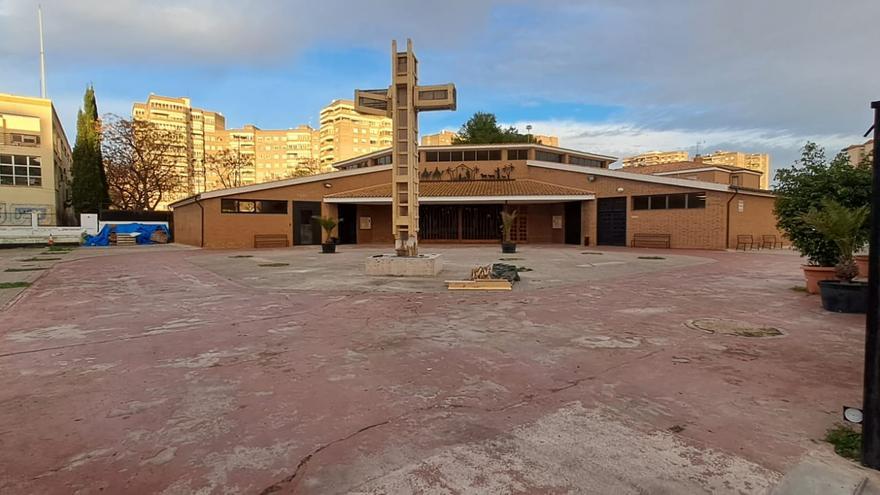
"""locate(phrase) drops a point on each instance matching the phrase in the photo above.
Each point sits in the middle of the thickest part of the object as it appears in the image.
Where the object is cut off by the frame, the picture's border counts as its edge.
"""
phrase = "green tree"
(89, 190)
(483, 128)
(808, 185)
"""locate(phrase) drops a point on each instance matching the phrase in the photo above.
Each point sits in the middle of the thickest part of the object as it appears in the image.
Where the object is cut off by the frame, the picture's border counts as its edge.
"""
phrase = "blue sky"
(606, 76)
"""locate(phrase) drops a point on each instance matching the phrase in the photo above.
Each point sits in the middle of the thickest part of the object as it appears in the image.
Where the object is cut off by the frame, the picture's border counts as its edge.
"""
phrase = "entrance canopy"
(470, 192)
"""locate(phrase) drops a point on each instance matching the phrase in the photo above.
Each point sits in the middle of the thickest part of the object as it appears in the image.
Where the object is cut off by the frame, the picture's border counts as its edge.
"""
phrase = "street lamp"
(529, 132)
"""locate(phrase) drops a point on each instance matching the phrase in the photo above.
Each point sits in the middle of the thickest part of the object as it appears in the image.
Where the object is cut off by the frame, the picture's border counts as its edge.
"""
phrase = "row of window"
(669, 201)
(257, 206)
(20, 170)
(462, 156)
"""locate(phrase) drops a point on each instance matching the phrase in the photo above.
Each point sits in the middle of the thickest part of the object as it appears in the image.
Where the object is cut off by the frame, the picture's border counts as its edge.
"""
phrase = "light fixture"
(619, 189)
(591, 178)
(328, 185)
(852, 414)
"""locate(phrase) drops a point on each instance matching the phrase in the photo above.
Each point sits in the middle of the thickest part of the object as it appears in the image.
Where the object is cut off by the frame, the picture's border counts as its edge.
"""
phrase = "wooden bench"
(745, 240)
(770, 240)
(270, 240)
(651, 240)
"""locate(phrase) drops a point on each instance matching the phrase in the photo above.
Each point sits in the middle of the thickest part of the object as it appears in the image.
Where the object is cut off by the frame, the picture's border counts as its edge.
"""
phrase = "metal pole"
(871, 393)
(42, 54)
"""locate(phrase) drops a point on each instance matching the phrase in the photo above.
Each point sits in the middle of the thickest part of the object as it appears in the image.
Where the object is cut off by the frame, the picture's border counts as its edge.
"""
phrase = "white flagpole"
(42, 54)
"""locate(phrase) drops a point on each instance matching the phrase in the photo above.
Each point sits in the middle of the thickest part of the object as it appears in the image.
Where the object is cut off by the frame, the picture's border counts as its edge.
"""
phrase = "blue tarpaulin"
(102, 238)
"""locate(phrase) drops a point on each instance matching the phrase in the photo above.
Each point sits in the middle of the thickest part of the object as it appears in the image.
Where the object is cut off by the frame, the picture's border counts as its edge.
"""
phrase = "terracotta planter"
(813, 274)
(862, 263)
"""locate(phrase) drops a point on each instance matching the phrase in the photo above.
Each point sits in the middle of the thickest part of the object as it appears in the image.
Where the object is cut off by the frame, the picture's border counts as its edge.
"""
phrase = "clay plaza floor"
(174, 370)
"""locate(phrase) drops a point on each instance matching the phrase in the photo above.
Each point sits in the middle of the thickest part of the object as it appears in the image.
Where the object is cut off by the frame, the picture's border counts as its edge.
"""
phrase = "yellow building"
(859, 152)
(442, 138)
(35, 161)
(655, 158)
(445, 138)
(193, 125)
(753, 161)
(270, 154)
(346, 133)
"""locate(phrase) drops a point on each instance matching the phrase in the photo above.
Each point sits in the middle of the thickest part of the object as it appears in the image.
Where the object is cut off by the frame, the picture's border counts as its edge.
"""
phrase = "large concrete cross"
(403, 101)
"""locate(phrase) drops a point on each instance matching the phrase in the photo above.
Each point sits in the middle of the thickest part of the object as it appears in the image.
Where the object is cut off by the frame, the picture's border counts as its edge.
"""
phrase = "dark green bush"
(805, 184)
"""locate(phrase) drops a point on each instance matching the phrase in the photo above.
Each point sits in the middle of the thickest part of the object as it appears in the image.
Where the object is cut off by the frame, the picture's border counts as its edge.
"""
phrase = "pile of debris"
(497, 276)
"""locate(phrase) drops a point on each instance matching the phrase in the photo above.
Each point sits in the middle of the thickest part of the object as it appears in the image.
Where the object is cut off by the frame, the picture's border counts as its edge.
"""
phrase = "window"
(676, 201)
(669, 201)
(20, 170)
(546, 156)
(25, 140)
(587, 162)
(696, 200)
(386, 160)
(253, 206)
(658, 201)
(517, 154)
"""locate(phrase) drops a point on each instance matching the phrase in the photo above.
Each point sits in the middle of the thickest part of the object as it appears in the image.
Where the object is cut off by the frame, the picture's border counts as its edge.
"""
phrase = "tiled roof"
(428, 189)
(682, 166)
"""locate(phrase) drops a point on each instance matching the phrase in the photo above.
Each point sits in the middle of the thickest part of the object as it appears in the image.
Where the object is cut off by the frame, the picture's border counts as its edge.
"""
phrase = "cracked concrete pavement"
(186, 371)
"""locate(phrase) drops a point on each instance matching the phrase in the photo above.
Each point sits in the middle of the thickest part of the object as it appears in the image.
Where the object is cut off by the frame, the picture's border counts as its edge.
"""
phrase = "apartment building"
(858, 152)
(35, 162)
(345, 133)
(193, 127)
(442, 138)
(446, 137)
(655, 158)
(267, 154)
(759, 162)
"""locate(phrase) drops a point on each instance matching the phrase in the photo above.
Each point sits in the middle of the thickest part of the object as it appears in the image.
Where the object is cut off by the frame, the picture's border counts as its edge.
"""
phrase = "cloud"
(626, 139)
(206, 32)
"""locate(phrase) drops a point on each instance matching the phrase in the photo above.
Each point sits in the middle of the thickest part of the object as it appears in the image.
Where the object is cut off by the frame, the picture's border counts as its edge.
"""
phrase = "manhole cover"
(733, 327)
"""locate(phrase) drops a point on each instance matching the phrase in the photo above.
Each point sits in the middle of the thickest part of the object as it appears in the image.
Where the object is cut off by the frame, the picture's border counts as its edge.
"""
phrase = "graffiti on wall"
(20, 214)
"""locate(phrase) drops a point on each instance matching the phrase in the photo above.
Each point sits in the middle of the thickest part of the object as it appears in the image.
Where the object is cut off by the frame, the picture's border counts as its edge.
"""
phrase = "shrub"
(803, 186)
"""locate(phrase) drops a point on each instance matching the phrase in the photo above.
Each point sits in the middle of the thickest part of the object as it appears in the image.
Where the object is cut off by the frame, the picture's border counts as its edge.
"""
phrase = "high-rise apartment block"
(346, 133)
(35, 161)
(858, 152)
(759, 162)
(655, 158)
(267, 154)
(192, 125)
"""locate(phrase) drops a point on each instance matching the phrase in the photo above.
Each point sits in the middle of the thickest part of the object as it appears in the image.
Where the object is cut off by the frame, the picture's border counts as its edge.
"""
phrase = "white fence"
(34, 234)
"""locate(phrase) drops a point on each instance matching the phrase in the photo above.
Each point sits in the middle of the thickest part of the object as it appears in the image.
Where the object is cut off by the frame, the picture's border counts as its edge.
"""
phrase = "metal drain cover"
(733, 327)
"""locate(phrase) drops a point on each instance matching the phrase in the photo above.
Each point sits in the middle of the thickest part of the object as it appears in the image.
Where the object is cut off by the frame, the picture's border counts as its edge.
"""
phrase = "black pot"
(844, 297)
(328, 247)
(508, 247)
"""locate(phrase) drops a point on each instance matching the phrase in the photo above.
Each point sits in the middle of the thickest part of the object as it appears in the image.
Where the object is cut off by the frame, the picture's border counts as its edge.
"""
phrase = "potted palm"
(844, 227)
(507, 219)
(803, 186)
(329, 225)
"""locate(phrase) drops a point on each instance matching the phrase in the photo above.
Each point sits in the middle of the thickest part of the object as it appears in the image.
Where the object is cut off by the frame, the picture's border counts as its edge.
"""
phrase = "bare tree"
(224, 168)
(310, 167)
(141, 160)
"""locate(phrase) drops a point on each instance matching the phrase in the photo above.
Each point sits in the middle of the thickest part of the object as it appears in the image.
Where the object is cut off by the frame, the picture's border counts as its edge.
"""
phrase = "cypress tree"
(89, 188)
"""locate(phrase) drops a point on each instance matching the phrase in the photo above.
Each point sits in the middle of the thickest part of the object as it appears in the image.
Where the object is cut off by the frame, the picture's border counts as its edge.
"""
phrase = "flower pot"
(508, 247)
(328, 247)
(813, 274)
(862, 263)
(844, 297)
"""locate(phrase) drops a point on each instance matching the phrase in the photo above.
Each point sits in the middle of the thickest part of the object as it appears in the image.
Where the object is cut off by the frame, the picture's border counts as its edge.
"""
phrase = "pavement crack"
(278, 486)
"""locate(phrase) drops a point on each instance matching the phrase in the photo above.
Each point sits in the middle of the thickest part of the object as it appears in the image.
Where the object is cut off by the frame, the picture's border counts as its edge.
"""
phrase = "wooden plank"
(490, 284)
